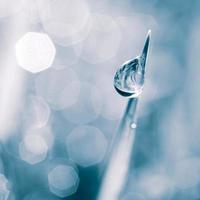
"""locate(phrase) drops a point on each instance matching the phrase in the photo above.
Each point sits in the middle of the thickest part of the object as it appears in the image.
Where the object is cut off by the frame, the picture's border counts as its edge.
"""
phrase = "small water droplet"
(133, 125)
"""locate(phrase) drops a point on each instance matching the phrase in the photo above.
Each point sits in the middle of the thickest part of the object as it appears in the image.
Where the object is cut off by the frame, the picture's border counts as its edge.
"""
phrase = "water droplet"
(129, 78)
(133, 125)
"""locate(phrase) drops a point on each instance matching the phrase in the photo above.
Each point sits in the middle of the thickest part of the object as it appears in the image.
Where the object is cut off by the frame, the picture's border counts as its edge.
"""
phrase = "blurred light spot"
(88, 105)
(187, 173)
(4, 192)
(63, 180)
(103, 40)
(86, 145)
(44, 132)
(133, 196)
(60, 88)
(10, 7)
(37, 112)
(66, 20)
(155, 185)
(33, 149)
(35, 52)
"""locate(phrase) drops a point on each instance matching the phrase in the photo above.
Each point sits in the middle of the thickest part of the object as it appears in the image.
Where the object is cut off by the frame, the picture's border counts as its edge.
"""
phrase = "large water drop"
(129, 78)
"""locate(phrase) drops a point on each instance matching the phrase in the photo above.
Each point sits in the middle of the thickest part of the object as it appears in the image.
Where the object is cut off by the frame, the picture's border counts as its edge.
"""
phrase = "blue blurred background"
(59, 110)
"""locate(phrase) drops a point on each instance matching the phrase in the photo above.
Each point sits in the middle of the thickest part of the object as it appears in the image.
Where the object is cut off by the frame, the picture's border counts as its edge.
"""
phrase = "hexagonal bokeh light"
(63, 180)
(44, 132)
(86, 145)
(35, 52)
(66, 20)
(155, 186)
(103, 40)
(37, 112)
(4, 192)
(33, 149)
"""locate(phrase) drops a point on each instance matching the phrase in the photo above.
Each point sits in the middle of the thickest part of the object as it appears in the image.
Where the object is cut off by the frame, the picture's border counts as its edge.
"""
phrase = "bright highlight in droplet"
(35, 52)
(63, 180)
(86, 145)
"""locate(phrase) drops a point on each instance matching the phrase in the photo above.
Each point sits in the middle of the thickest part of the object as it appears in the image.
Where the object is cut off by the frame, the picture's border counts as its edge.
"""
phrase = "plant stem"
(119, 155)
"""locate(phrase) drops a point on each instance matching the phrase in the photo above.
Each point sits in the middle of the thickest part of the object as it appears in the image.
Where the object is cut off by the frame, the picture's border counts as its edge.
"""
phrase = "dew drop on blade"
(129, 78)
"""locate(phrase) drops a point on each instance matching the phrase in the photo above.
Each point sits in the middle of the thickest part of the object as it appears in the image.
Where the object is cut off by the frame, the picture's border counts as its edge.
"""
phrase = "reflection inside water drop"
(129, 78)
